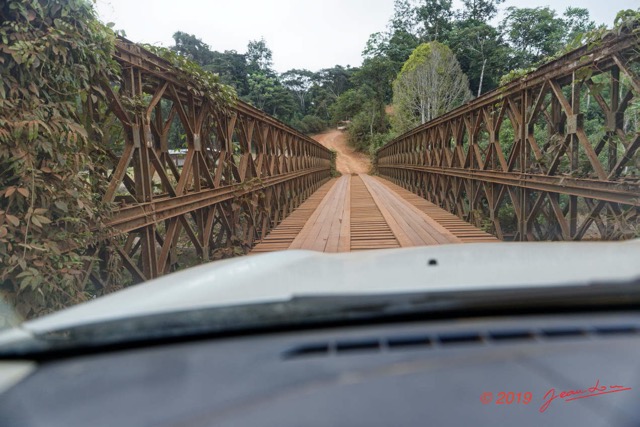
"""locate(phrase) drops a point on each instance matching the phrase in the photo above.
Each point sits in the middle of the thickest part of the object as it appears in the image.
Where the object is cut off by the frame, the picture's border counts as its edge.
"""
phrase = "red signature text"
(570, 395)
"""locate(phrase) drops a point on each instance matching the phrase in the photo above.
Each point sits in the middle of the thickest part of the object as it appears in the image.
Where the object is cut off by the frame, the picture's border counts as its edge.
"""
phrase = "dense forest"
(310, 101)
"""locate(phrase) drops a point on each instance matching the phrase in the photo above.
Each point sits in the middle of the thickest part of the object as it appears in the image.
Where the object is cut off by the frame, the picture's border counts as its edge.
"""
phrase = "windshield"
(501, 139)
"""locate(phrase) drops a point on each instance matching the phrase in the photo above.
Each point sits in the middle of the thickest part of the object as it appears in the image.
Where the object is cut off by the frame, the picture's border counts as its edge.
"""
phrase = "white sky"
(311, 34)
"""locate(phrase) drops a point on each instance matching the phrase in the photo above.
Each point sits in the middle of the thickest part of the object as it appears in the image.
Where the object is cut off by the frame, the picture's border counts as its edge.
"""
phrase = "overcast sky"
(311, 34)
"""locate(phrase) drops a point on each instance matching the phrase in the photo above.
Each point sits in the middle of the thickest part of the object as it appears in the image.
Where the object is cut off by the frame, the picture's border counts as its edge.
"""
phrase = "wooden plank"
(397, 225)
(339, 237)
(360, 212)
(426, 227)
(330, 225)
(466, 232)
(281, 237)
(407, 219)
(315, 233)
(368, 228)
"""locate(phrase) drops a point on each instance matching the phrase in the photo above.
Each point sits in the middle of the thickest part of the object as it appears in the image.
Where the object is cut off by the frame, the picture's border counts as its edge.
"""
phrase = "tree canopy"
(484, 52)
(429, 84)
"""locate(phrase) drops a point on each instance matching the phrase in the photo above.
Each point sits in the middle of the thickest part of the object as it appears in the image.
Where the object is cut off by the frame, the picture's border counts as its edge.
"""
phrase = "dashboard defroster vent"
(458, 338)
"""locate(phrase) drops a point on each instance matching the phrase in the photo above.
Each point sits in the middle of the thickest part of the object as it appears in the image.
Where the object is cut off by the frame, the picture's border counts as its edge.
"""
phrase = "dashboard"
(529, 370)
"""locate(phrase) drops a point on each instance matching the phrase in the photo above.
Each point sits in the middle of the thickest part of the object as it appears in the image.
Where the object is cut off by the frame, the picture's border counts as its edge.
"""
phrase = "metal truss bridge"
(515, 164)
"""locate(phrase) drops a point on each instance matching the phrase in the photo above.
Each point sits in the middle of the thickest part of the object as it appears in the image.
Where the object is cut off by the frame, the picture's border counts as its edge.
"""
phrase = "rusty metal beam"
(610, 191)
(555, 180)
(134, 217)
(222, 197)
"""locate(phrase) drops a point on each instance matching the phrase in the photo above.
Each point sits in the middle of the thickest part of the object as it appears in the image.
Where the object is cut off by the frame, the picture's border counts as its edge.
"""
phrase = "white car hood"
(282, 275)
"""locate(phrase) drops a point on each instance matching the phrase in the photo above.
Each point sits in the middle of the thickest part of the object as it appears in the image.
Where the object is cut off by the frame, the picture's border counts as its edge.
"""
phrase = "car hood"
(281, 276)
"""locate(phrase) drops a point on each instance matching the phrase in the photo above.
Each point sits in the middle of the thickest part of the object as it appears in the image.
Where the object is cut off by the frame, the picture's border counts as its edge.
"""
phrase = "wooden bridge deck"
(362, 212)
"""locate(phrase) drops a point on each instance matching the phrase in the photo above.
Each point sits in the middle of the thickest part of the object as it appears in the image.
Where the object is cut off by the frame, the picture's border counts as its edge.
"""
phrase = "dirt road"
(348, 161)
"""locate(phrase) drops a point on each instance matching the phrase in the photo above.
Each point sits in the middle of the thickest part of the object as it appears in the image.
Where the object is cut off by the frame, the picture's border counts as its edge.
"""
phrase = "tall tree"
(335, 80)
(259, 56)
(268, 94)
(266, 91)
(348, 105)
(430, 84)
(400, 39)
(328, 85)
(480, 10)
(533, 33)
(232, 68)
(299, 82)
(482, 53)
(436, 18)
(396, 47)
(192, 47)
(405, 18)
(378, 74)
(577, 22)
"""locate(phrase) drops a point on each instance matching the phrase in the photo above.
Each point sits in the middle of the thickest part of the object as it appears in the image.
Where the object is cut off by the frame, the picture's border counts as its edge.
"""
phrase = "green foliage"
(55, 58)
(627, 20)
(298, 97)
(366, 126)
(268, 94)
(577, 22)
(192, 48)
(334, 170)
(376, 76)
(298, 82)
(423, 54)
(430, 84)
(231, 66)
(579, 31)
(480, 10)
(310, 124)
(394, 47)
(347, 105)
(514, 75)
(534, 33)
(380, 139)
(259, 56)
(436, 19)
(481, 51)
(191, 56)
(201, 82)
(335, 80)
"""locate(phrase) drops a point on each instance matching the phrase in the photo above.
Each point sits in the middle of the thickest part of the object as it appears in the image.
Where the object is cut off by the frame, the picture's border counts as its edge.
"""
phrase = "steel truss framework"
(553, 156)
(243, 172)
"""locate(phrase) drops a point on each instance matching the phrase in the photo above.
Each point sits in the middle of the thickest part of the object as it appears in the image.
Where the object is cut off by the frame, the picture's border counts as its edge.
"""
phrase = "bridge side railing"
(243, 171)
(552, 156)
